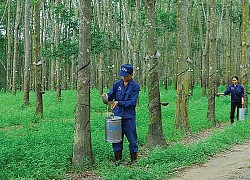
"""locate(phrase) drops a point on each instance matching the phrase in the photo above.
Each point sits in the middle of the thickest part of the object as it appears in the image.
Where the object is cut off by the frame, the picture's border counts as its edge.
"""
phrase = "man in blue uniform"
(237, 96)
(125, 93)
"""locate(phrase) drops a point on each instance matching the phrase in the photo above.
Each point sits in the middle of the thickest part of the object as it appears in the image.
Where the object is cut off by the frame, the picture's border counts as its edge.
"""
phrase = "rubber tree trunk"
(15, 55)
(244, 80)
(155, 132)
(212, 79)
(183, 63)
(27, 53)
(82, 149)
(37, 60)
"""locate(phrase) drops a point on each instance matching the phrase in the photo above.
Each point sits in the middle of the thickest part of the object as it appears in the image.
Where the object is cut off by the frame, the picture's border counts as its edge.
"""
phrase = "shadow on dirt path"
(230, 165)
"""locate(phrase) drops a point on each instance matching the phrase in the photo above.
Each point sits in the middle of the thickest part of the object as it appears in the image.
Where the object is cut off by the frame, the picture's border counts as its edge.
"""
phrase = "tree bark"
(52, 47)
(228, 43)
(37, 60)
(204, 60)
(212, 62)
(57, 40)
(101, 15)
(15, 55)
(201, 36)
(82, 148)
(27, 53)
(8, 60)
(183, 61)
(155, 133)
(244, 37)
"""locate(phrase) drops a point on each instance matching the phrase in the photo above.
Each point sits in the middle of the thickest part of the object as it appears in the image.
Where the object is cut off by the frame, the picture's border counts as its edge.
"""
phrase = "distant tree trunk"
(58, 68)
(101, 19)
(236, 32)
(37, 60)
(8, 60)
(244, 78)
(133, 35)
(155, 133)
(52, 67)
(201, 36)
(228, 43)
(82, 148)
(52, 47)
(212, 62)
(43, 44)
(204, 61)
(166, 47)
(100, 72)
(73, 70)
(191, 13)
(15, 56)
(27, 53)
(183, 77)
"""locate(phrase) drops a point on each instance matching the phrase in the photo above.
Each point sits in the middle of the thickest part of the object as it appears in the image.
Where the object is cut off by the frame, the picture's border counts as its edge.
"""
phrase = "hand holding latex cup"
(105, 99)
(114, 105)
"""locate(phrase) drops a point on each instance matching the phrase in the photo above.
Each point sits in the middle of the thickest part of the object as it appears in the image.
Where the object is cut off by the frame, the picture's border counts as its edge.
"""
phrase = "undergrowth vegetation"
(33, 148)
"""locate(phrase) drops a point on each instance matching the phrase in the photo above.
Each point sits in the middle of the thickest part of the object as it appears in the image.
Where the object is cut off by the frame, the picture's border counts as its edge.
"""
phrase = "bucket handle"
(111, 114)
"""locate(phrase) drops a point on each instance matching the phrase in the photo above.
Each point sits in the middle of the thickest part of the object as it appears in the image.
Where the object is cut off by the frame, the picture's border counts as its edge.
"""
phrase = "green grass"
(32, 148)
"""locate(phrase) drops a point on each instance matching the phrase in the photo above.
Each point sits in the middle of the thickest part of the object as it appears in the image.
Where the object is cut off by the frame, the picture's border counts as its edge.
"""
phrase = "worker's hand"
(114, 105)
(105, 99)
(218, 94)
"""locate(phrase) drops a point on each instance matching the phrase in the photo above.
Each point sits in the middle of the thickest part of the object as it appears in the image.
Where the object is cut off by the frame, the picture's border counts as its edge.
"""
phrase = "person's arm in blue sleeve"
(228, 90)
(132, 100)
(111, 93)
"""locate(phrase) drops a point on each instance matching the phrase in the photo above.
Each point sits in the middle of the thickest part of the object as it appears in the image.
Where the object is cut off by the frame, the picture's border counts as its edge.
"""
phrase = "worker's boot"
(118, 158)
(232, 120)
(133, 156)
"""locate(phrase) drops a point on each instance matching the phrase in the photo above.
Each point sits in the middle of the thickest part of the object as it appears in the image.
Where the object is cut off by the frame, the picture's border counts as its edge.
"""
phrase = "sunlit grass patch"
(34, 148)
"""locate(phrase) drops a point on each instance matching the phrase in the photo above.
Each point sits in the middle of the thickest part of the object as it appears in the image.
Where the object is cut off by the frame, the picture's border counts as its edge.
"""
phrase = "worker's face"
(234, 81)
(127, 78)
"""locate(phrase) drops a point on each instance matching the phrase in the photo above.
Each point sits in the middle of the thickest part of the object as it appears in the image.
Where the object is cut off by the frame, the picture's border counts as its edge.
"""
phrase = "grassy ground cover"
(32, 148)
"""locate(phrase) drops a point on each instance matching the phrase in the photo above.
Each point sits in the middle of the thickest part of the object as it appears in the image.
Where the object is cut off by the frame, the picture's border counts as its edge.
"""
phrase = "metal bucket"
(242, 114)
(113, 129)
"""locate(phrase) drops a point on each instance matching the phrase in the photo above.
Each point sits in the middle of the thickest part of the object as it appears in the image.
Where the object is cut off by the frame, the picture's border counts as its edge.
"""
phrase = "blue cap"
(126, 70)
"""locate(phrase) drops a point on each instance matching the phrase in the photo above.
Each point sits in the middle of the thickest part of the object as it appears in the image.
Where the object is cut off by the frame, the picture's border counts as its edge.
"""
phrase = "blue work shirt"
(126, 97)
(237, 92)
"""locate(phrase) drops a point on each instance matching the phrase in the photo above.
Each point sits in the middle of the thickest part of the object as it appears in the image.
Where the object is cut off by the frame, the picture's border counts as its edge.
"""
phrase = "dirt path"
(231, 165)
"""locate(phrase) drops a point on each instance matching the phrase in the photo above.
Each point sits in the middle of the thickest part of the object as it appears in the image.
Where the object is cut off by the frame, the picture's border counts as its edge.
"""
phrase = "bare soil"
(233, 164)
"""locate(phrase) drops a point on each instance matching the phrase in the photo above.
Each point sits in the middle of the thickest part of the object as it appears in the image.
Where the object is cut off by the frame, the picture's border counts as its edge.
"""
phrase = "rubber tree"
(27, 53)
(183, 63)
(212, 79)
(244, 47)
(9, 40)
(155, 133)
(82, 148)
(37, 59)
(15, 55)
(57, 41)
(228, 43)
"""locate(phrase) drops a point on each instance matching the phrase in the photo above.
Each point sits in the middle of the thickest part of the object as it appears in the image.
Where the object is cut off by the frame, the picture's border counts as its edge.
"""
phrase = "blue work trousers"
(129, 130)
(233, 107)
